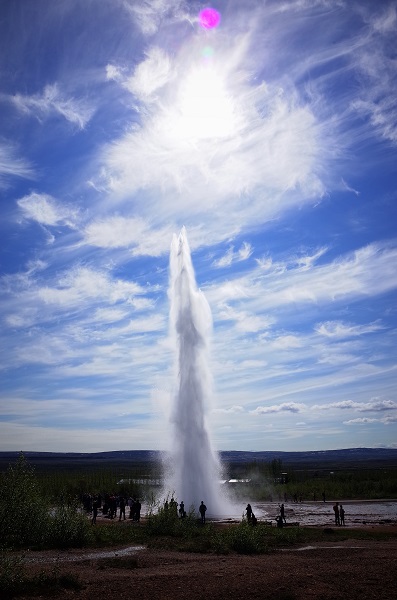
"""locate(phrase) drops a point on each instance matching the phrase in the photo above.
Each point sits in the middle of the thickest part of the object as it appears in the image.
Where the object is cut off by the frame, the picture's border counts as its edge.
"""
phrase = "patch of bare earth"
(352, 569)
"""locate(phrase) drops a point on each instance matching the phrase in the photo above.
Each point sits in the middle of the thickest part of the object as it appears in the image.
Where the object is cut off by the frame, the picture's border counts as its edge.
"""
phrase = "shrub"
(68, 529)
(23, 512)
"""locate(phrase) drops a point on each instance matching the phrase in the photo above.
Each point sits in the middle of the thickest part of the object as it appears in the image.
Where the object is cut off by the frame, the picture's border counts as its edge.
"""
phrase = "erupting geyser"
(194, 466)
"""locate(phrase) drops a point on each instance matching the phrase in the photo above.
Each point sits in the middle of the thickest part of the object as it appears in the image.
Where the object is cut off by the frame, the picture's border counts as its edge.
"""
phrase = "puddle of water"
(304, 548)
(321, 513)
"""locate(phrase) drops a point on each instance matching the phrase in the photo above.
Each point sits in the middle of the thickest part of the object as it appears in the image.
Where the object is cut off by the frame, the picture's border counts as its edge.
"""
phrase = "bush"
(165, 522)
(23, 512)
(68, 529)
(245, 539)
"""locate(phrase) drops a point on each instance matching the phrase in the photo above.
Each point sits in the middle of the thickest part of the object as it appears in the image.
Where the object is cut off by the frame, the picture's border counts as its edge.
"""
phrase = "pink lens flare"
(209, 18)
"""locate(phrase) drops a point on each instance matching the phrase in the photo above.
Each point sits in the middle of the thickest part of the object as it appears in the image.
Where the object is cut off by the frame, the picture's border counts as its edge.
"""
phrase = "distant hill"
(322, 459)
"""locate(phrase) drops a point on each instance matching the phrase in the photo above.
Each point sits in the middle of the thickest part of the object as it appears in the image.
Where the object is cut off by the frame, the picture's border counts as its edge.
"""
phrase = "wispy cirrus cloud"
(378, 74)
(134, 233)
(148, 15)
(11, 165)
(231, 256)
(52, 102)
(339, 329)
(244, 320)
(367, 271)
(46, 210)
(82, 284)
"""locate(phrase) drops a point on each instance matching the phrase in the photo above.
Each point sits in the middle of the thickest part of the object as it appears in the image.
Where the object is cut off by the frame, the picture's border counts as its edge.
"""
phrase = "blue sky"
(272, 138)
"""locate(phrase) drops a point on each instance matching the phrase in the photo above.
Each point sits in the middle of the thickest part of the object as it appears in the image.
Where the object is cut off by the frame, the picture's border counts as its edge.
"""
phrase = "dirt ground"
(352, 569)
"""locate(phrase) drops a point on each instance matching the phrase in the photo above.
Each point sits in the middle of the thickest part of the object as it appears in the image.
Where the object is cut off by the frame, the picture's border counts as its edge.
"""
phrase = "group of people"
(339, 512)
(111, 504)
(172, 507)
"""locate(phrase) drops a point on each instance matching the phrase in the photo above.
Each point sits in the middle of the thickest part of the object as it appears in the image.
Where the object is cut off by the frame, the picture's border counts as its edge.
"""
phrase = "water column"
(195, 468)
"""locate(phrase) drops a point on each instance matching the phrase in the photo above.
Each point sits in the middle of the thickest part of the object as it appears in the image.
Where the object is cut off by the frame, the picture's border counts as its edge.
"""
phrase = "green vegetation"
(267, 480)
(35, 514)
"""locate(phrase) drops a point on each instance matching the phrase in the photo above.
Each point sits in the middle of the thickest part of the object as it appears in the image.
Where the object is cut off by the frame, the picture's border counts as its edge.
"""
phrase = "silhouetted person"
(342, 515)
(112, 506)
(138, 508)
(282, 513)
(336, 511)
(254, 520)
(182, 513)
(202, 511)
(249, 512)
(94, 512)
(173, 506)
(122, 508)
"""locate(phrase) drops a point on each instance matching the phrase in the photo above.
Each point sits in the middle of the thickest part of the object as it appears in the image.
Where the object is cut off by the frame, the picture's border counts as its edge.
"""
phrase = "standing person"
(342, 515)
(249, 512)
(336, 511)
(138, 508)
(282, 513)
(122, 508)
(94, 512)
(182, 513)
(173, 506)
(202, 511)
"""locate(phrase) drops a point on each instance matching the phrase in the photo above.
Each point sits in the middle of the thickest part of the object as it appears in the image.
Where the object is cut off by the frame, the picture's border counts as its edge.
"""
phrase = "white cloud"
(11, 165)
(46, 210)
(226, 260)
(149, 13)
(82, 284)
(231, 256)
(244, 320)
(109, 315)
(227, 411)
(375, 405)
(362, 420)
(51, 102)
(134, 233)
(274, 149)
(286, 341)
(293, 407)
(368, 271)
(150, 75)
(306, 262)
(114, 72)
(340, 330)
(377, 68)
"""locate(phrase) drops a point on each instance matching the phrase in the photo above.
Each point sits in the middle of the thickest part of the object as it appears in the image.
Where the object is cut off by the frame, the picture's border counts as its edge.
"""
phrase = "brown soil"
(352, 569)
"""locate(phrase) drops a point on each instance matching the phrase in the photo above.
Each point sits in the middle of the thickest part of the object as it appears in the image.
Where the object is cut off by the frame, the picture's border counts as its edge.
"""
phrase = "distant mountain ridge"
(349, 457)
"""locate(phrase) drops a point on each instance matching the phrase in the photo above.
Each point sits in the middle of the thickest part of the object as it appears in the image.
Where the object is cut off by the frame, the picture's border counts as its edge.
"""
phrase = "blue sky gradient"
(272, 138)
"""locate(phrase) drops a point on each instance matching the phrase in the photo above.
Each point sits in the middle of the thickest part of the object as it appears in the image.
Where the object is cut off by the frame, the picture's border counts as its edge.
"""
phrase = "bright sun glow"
(205, 110)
